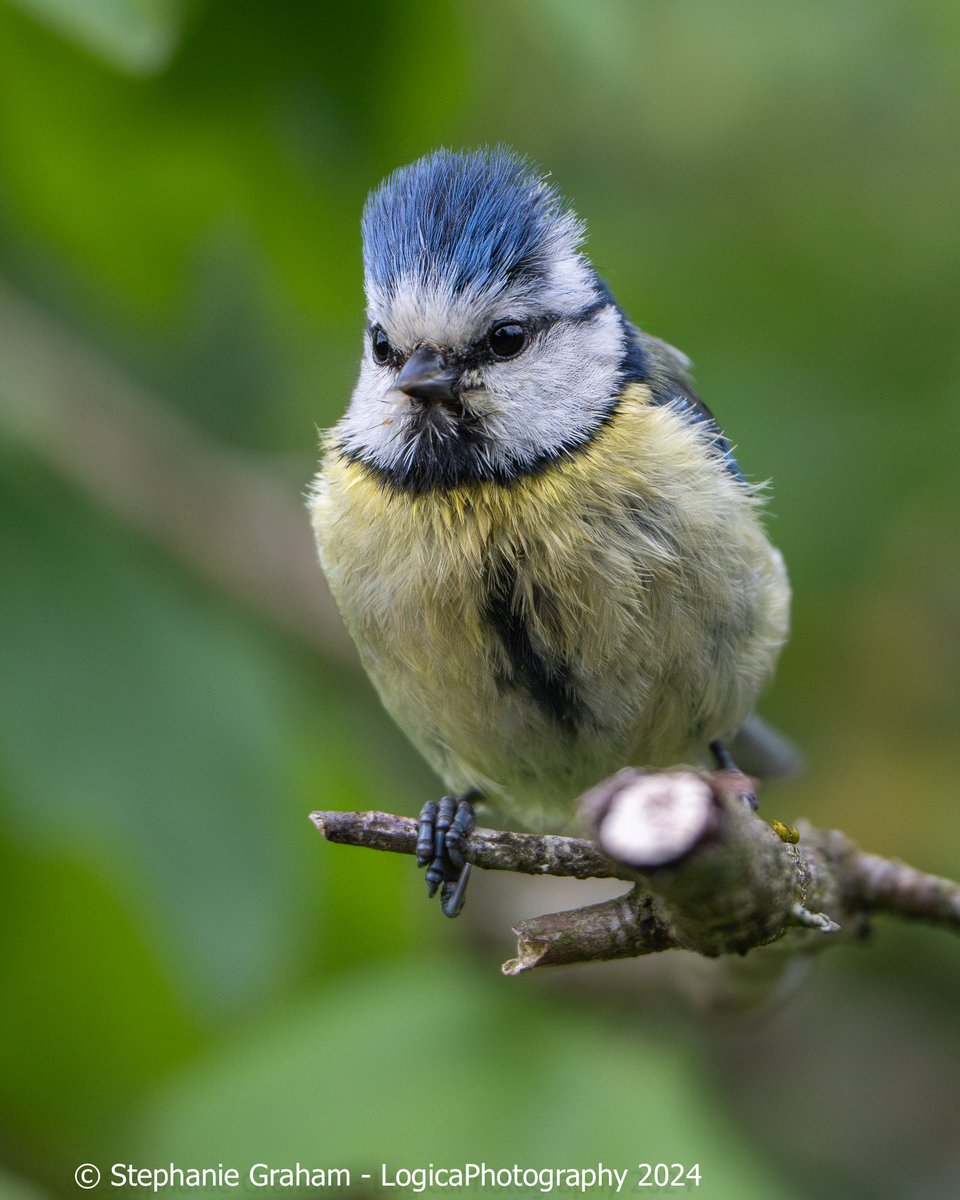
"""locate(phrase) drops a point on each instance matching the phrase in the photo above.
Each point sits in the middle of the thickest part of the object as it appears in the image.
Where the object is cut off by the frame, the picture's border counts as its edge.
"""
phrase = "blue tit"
(535, 531)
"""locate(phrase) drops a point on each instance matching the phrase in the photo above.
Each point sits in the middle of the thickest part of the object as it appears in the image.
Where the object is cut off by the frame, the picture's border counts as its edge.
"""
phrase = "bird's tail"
(763, 751)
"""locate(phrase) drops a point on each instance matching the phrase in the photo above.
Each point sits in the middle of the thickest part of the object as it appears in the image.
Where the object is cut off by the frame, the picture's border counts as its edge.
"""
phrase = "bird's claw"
(725, 762)
(442, 831)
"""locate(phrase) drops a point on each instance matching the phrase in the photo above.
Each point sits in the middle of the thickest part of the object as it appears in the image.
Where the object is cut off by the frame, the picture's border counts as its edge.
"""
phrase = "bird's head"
(491, 345)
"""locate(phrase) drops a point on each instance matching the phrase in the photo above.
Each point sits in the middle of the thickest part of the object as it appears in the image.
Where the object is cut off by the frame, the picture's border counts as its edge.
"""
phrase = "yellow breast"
(622, 605)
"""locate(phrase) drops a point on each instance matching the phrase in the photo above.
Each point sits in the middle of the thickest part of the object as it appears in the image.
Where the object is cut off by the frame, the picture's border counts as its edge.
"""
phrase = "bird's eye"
(507, 340)
(379, 344)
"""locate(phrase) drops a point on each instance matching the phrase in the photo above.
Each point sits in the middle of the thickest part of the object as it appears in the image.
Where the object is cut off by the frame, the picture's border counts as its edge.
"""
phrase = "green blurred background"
(188, 973)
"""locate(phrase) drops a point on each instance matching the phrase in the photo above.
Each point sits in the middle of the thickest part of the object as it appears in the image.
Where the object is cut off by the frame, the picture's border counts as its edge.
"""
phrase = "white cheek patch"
(375, 424)
(557, 392)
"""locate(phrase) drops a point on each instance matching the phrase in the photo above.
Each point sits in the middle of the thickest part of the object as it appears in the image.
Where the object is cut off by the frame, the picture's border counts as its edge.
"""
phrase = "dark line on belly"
(547, 681)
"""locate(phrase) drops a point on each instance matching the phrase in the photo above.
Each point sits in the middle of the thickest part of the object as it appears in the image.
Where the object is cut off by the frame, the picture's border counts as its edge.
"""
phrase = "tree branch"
(708, 874)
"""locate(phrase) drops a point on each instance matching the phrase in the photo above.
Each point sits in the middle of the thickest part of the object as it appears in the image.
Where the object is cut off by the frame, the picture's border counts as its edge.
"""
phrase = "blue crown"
(474, 220)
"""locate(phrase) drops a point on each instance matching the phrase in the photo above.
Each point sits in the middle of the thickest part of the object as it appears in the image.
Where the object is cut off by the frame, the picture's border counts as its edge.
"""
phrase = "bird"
(536, 532)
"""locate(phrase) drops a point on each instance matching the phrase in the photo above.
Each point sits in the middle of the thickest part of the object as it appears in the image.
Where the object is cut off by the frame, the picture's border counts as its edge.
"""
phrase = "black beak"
(427, 376)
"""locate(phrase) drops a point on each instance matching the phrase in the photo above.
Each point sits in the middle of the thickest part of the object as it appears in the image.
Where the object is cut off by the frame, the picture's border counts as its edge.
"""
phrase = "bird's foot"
(440, 838)
(725, 762)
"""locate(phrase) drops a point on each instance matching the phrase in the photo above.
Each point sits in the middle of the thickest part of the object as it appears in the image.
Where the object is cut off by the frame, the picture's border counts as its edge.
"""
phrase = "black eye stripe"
(480, 353)
(536, 325)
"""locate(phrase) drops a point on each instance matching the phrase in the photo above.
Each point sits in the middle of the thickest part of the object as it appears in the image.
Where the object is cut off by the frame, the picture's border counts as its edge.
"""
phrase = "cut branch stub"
(727, 882)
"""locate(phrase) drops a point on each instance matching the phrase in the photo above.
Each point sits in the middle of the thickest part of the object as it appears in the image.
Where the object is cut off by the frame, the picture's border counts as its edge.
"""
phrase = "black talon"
(725, 762)
(722, 755)
(452, 894)
(442, 831)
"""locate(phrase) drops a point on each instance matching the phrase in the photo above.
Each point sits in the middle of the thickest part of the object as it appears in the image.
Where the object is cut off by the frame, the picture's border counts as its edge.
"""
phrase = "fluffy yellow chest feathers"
(621, 605)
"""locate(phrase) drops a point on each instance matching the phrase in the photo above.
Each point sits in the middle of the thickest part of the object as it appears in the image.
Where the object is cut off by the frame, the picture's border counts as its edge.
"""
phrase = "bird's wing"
(670, 382)
(757, 747)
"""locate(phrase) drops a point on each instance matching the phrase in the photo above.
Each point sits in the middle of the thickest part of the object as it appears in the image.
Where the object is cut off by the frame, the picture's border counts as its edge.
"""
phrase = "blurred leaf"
(440, 1063)
(274, 127)
(137, 36)
(89, 1013)
(144, 727)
